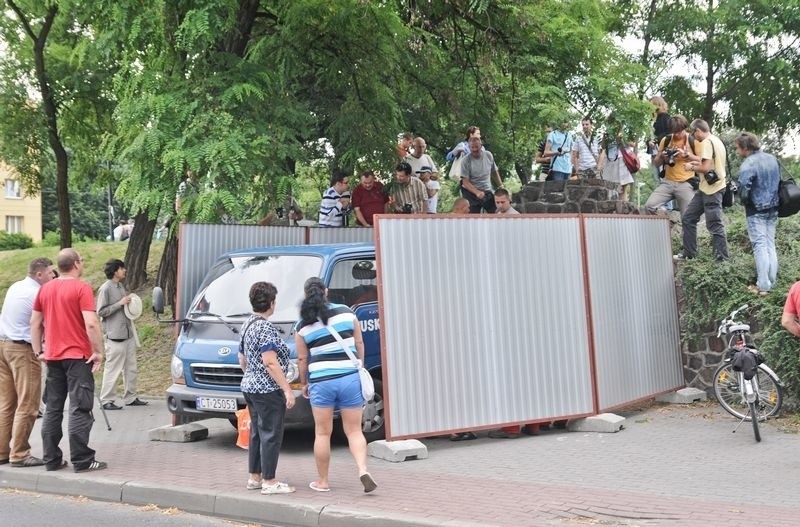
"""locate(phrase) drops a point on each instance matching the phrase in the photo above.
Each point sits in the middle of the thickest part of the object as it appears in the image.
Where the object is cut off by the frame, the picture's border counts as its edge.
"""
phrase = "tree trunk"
(138, 251)
(168, 269)
(523, 171)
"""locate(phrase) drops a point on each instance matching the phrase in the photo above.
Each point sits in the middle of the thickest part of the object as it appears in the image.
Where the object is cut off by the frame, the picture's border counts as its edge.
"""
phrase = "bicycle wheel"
(756, 431)
(726, 390)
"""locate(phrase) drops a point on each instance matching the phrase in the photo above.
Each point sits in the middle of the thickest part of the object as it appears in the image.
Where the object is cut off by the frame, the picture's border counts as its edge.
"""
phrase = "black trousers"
(475, 204)
(73, 377)
(266, 431)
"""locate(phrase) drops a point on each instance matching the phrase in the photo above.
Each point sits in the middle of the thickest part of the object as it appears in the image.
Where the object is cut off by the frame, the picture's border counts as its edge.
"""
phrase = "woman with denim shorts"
(264, 358)
(330, 379)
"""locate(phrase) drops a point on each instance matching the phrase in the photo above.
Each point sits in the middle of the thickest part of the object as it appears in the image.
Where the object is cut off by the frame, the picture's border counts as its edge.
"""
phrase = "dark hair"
(368, 173)
(471, 130)
(586, 118)
(502, 192)
(112, 266)
(403, 167)
(338, 176)
(262, 295)
(315, 304)
(678, 123)
(38, 264)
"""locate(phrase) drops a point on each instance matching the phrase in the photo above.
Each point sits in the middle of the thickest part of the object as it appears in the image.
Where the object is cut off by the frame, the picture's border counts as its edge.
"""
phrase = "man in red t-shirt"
(791, 311)
(368, 199)
(64, 314)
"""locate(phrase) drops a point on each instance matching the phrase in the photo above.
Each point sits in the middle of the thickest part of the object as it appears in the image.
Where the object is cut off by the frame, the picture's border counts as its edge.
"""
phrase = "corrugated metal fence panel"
(634, 308)
(202, 243)
(326, 235)
(483, 322)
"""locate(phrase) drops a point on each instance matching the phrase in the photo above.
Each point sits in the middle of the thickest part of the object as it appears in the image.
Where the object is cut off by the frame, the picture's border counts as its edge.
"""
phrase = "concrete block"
(683, 396)
(179, 434)
(397, 451)
(188, 500)
(606, 423)
(277, 510)
(339, 516)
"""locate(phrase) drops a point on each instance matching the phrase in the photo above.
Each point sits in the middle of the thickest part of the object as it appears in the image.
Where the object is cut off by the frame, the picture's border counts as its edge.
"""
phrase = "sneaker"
(29, 461)
(253, 484)
(276, 488)
(111, 406)
(94, 465)
(756, 291)
(137, 402)
(3, 462)
(680, 257)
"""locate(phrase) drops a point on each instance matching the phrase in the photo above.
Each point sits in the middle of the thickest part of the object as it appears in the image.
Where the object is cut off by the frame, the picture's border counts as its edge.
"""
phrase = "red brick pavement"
(636, 477)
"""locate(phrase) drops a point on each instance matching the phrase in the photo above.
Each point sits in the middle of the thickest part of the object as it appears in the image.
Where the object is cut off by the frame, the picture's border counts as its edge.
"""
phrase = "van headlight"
(176, 369)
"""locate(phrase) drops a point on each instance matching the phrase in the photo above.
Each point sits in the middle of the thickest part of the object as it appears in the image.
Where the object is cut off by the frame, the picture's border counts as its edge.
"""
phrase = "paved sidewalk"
(671, 466)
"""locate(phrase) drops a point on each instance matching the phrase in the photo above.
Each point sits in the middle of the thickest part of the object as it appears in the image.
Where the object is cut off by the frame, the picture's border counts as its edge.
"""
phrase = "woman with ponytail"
(330, 379)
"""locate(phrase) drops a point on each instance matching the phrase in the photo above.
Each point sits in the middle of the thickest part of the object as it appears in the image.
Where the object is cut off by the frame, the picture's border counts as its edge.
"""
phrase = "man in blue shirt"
(759, 177)
(559, 149)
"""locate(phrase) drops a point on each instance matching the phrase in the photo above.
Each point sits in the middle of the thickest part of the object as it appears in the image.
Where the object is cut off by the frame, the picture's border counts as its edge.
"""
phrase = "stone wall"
(573, 196)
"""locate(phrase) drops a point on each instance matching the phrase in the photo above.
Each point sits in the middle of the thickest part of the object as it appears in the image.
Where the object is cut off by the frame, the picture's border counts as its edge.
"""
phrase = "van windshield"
(225, 291)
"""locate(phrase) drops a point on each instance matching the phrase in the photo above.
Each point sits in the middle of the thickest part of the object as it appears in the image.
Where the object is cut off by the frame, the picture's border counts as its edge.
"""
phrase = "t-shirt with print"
(259, 337)
(62, 302)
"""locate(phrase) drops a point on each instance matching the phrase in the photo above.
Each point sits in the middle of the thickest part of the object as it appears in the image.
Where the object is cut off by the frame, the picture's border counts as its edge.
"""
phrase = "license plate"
(220, 404)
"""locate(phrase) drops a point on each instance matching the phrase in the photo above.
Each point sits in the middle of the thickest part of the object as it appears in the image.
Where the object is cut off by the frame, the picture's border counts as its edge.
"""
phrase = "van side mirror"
(158, 300)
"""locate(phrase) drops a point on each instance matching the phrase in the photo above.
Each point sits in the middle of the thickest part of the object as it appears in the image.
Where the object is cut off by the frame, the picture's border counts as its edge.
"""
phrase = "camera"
(671, 153)
(711, 177)
(408, 208)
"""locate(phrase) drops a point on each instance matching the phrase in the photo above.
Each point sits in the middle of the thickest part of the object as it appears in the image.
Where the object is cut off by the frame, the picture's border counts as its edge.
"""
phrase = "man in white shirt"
(586, 152)
(420, 161)
(20, 369)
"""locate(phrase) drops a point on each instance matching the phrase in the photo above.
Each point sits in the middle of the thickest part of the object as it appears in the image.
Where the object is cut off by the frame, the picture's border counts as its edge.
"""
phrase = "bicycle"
(745, 387)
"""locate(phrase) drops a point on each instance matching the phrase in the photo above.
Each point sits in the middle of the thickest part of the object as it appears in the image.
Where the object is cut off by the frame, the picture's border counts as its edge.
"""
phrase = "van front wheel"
(372, 420)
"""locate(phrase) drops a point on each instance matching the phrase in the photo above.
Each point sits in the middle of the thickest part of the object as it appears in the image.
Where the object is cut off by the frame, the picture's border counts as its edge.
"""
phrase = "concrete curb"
(248, 507)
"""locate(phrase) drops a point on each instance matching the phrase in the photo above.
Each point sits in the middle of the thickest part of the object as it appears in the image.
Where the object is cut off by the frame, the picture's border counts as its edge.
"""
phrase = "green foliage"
(18, 240)
(51, 239)
(712, 290)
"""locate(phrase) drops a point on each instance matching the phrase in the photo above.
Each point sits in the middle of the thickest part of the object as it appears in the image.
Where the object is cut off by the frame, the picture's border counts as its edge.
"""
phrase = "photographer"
(408, 194)
(673, 152)
(711, 167)
(478, 172)
(335, 204)
(558, 148)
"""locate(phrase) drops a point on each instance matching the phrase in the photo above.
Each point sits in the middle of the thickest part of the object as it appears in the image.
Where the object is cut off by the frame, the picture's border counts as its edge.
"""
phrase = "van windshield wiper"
(218, 317)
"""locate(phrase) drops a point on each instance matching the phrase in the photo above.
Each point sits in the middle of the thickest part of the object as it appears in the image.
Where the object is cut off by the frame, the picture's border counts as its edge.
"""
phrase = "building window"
(12, 189)
(14, 224)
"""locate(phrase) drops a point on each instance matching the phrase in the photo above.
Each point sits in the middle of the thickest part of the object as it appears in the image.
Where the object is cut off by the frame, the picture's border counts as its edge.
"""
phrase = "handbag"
(630, 159)
(367, 384)
(455, 168)
(788, 198)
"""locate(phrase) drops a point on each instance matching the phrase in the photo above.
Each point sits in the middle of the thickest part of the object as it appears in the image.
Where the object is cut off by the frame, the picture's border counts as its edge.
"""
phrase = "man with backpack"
(711, 166)
(673, 154)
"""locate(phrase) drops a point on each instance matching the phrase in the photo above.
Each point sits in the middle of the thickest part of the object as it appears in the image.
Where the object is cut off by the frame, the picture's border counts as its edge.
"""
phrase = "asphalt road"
(29, 509)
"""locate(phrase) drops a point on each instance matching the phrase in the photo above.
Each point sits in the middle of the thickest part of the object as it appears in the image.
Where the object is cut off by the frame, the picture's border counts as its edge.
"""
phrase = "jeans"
(266, 431)
(71, 376)
(761, 228)
(657, 178)
(560, 176)
(711, 206)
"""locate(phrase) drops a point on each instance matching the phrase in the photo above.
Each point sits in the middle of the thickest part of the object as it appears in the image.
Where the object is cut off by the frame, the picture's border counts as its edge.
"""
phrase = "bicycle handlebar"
(730, 320)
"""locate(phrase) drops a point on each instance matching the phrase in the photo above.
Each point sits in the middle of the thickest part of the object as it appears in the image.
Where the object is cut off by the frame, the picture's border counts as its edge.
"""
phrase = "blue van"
(205, 368)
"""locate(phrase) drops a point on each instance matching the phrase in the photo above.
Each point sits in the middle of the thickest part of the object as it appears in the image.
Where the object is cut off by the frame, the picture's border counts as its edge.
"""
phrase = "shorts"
(338, 393)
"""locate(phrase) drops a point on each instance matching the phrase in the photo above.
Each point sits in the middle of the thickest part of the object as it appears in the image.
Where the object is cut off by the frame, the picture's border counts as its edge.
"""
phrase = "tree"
(743, 59)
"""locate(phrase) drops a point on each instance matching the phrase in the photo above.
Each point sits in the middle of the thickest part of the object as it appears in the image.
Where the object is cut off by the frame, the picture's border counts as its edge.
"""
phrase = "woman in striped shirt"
(330, 379)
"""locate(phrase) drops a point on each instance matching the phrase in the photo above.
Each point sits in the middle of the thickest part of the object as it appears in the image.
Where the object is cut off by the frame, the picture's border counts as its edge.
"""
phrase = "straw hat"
(133, 310)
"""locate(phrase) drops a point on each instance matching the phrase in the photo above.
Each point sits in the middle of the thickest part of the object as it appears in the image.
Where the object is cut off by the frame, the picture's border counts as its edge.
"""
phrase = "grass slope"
(157, 339)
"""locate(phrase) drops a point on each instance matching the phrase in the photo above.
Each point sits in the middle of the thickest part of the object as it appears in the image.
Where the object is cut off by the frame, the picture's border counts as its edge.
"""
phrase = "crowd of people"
(54, 335)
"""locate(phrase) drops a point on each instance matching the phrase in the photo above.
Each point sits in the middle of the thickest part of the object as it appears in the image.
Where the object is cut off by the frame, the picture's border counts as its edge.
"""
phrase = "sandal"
(276, 488)
(368, 482)
(253, 484)
(315, 486)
